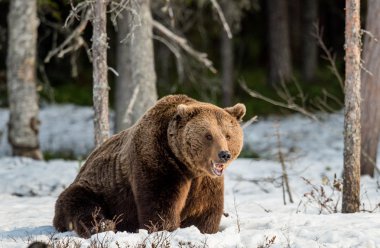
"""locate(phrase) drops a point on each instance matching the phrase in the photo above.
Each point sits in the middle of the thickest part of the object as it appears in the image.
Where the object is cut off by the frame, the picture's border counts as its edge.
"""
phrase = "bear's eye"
(228, 137)
(208, 136)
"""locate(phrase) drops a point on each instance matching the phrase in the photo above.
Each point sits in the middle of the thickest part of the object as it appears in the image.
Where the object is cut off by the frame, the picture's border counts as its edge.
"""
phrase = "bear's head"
(206, 138)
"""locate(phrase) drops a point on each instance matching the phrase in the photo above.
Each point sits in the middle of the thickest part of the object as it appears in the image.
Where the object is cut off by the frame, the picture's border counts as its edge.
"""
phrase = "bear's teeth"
(217, 172)
(217, 168)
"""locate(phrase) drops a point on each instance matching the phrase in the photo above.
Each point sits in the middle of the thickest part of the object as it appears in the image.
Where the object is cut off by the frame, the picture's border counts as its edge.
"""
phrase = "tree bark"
(22, 92)
(370, 92)
(280, 62)
(136, 64)
(310, 46)
(123, 67)
(227, 51)
(295, 29)
(351, 183)
(100, 72)
(227, 60)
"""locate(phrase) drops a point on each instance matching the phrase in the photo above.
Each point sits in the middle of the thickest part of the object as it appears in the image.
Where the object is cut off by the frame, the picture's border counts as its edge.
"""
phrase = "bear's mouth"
(217, 168)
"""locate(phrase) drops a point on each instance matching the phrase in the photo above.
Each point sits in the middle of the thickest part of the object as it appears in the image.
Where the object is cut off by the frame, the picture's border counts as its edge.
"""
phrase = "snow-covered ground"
(256, 214)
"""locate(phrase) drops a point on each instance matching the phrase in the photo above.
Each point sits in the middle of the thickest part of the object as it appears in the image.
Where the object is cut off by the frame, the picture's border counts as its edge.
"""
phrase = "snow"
(65, 129)
(254, 207)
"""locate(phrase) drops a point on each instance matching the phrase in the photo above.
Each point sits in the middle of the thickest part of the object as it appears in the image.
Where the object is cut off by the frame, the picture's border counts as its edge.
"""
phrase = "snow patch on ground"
(253, 193)
(65, 129)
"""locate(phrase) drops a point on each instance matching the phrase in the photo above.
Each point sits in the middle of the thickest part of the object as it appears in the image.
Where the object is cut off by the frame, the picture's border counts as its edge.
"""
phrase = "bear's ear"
(237, 111)
(185, 111)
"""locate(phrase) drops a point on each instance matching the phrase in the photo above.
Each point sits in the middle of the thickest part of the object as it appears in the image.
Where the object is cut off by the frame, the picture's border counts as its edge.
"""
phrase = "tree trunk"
(310, 46)
(100, 72)
(295, 25)
(351, 183)
(227, 53)
(123, 67)
(227, 60)
(21, 65)
(370, 92)
(140, 91)
(280, 62)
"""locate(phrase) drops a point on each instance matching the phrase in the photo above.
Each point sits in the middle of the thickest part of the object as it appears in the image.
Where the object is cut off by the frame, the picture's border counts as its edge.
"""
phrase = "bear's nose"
(224, 156)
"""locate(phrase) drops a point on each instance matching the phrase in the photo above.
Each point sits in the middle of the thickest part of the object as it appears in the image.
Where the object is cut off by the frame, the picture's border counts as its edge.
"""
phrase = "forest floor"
(254, 199)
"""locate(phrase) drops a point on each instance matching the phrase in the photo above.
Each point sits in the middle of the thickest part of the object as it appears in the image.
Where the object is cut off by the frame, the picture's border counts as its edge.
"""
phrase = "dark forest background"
(60, 82)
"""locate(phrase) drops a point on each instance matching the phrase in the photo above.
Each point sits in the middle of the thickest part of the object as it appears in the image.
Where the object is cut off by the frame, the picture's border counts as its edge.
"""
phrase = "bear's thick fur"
(164, 172)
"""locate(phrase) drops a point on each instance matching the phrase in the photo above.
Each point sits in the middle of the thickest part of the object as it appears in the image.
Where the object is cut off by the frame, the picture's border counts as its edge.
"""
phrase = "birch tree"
(351, 183)
(21, 65)
(370, 91)
(100, 68)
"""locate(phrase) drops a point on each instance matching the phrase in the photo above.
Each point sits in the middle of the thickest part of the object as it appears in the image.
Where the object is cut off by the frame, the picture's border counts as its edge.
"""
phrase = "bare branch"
(237, 215)
(75, 11)
(329, 57)
(222, 18)
(365, 69)
(252, 120)
(131, 104)
(175, 50)
(182, 42)
(289, 105)
(74, 37)
(363, 31)
(285, 180)
(167, 43)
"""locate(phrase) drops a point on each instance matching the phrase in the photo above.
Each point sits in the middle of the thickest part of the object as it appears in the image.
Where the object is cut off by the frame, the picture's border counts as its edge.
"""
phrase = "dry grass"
(325, 198)
(161, 239)
(268, 242)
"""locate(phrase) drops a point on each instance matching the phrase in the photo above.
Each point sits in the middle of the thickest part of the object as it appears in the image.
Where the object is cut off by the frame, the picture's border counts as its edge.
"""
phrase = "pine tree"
(351, 183)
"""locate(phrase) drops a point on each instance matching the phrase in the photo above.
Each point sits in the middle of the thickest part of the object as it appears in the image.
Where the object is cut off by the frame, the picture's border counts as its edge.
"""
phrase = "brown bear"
(163, 173)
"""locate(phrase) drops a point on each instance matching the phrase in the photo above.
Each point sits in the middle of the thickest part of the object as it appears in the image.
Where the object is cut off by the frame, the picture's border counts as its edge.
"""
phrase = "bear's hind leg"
(81, 210)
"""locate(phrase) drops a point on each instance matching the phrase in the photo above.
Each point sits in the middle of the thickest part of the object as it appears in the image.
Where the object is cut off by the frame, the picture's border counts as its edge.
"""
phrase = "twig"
(167, 43)
(62, 49)
(182, 42)
(47, 85)
(222, 18)
(372, 162)
(289, 105)
(332, 97)
(252, 120)
(365, 69)
(329, 57)
(131, 104)
(237, 215)
(363, 31)
(285, 180)
(175, 50)
(276, 181)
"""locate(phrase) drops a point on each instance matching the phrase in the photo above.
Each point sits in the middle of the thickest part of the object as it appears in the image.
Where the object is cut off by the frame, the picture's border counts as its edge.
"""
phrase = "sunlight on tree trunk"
(123, 67)
(370, 91)
(227, 54)
(351, 182)
(137, 64)
(100, 69)
(21, 75)
(227, 57)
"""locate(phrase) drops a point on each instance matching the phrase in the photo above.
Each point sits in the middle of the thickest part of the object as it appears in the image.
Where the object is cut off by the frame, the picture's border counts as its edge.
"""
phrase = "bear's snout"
(224, 156)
